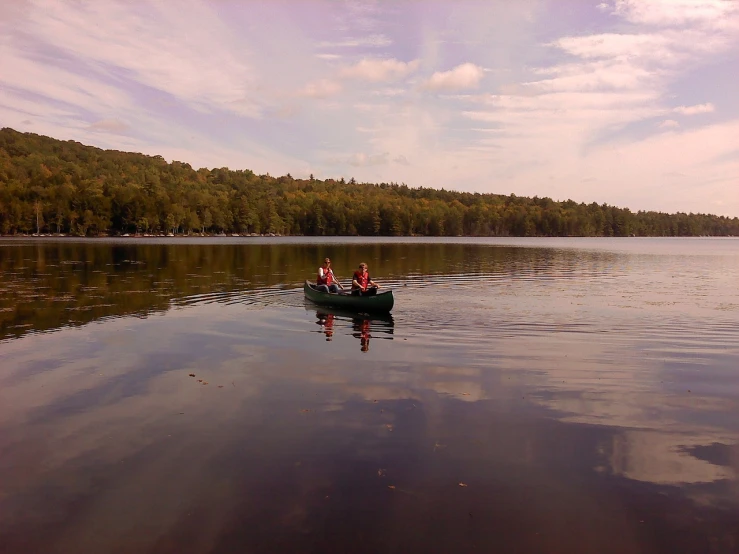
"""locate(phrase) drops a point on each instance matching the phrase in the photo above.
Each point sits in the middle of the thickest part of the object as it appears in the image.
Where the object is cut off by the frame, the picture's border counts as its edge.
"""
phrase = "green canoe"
(380, 303)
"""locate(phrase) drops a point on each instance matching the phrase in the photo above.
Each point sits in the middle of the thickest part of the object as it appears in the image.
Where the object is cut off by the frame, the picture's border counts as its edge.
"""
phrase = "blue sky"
(630, 102)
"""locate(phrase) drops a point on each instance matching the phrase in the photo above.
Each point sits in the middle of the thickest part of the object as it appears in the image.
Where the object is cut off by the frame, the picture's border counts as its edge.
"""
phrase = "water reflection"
(360, 326)
(105, 432)
(519, 400)
(326, 321)
(46, 285)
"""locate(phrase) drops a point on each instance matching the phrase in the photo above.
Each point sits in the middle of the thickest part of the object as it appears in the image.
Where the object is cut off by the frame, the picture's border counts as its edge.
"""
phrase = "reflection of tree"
(47, 284)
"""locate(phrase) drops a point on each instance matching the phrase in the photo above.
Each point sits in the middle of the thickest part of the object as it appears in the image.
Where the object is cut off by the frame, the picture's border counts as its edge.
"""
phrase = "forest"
(50, 186)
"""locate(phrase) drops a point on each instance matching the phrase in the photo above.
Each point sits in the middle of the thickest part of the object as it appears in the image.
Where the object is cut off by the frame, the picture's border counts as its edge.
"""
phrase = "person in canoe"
(362, 283)
(327, 281)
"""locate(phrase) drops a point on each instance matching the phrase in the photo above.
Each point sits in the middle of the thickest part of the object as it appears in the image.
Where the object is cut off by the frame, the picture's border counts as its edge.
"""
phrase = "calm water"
(564, 395)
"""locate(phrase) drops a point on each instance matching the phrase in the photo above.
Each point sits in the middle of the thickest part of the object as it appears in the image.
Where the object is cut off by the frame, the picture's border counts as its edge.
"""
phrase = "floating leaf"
(462, 484)
(391, 487)
(191, 374)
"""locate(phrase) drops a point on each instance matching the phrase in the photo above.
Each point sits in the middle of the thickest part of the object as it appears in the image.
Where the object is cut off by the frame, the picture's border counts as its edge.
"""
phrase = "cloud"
(587, 107)
(322, 88)
(467, 75)
(373, 41)
(364, 160)
(286, 112)
(379, 70)
(115, 126)
(603, 7)
(607, 75)
(675, 12)
(328, 56)
(609, 45)
(389, 92)
(402, 160)
(34, 84)
(695, 110)
(97, 36)
(665, 49)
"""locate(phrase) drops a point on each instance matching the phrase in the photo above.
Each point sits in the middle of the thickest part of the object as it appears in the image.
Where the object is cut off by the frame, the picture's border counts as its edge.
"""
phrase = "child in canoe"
(362, 283)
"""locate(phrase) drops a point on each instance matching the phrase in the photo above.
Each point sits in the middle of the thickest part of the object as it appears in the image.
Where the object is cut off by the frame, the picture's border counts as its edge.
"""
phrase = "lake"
(525, 395)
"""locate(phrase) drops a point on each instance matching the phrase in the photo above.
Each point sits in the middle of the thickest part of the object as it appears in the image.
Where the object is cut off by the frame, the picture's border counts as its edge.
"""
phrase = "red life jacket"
(327, 279)
(362, 278)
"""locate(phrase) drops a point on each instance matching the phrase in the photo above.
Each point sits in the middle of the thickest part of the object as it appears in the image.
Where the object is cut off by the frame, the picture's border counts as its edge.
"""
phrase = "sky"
(630, 102)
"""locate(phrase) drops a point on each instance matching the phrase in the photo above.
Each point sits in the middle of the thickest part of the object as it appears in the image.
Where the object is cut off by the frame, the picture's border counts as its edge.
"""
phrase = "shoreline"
(277, 235)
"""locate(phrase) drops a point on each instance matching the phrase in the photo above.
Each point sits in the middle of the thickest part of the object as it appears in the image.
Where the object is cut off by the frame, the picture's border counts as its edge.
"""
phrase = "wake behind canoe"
(382, 302)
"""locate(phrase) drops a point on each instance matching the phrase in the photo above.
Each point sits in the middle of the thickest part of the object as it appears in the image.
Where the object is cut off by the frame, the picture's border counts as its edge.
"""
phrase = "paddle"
(331, 271)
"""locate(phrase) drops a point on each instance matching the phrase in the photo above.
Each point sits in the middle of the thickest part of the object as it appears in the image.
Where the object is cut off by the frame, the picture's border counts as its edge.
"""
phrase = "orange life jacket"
(327, 279)
(362, 278)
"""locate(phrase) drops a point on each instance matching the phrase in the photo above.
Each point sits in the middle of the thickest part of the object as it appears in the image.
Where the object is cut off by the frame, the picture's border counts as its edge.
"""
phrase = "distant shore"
(142, 235)
(277, 235)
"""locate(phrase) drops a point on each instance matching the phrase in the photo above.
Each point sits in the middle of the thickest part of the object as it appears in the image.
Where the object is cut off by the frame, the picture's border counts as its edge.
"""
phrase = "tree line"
(64, 187)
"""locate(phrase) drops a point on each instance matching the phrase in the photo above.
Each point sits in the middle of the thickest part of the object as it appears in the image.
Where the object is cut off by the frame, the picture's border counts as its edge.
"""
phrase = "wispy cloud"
(322, 88)
(695, 110)
(363, 160)
(100, 33)
(111, 126)
(675, 12)
(379, 70)
(373, 41)
(464, 76)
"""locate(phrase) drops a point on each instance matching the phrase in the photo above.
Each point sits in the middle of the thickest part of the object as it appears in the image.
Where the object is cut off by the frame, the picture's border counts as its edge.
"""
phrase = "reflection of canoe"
(383, 319)
(382, 302)
(382, 322)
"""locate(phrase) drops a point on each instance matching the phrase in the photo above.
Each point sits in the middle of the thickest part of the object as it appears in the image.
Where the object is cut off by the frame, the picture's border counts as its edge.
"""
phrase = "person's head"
(363, 267)
(327, 262)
